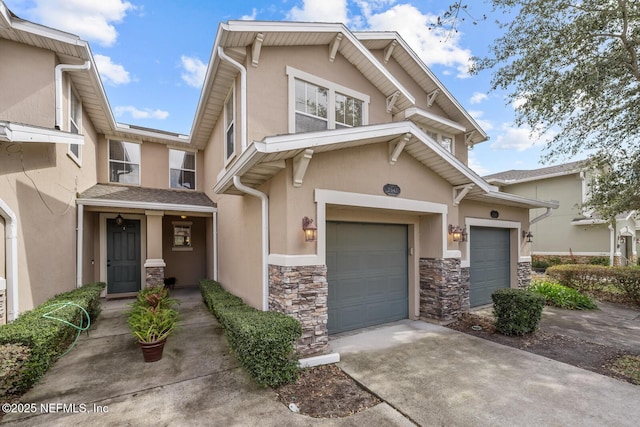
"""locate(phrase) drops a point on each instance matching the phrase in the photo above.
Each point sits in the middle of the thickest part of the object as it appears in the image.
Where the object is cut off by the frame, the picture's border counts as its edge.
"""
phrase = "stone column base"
(524, 274)
(154, 272)
(444, 289)
(3, 306)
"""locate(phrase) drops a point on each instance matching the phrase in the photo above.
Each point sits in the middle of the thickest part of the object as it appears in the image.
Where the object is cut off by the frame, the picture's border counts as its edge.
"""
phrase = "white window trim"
(76, 159)
(441, 135)
(332, 87)
(173, 233)
(229, 157)
(195, 170)
(109, 161)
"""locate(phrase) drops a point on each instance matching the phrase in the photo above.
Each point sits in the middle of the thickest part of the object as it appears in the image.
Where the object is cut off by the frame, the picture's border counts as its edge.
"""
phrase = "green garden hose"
(80, 328)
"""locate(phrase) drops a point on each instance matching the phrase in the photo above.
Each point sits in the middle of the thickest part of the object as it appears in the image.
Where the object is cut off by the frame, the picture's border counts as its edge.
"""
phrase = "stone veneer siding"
(444, 289)
(155, 276)
(3, 307)
(524, 274)
(301, 292)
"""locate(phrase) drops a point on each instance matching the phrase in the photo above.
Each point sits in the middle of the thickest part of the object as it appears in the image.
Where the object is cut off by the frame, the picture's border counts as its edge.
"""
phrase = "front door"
(123, 256)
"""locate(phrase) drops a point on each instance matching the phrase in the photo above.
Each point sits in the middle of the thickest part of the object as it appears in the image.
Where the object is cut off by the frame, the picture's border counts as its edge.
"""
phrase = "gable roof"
(264, 159)
(516, 176)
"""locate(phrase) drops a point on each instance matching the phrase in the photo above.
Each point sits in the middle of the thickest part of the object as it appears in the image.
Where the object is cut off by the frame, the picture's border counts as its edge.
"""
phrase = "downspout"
(265, 236)
(58, 77)
(11, 237)
(215, 245)
(612, 243)
(243, 94)
(79, 246)
(543, 216)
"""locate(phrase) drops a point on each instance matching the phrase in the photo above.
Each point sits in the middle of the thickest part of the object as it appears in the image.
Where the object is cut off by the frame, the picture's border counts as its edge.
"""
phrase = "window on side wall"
(182, 169)
(445, 141)
(75, 125)
(316, 104)
(182, 236)
(229, 125)
(124, 162)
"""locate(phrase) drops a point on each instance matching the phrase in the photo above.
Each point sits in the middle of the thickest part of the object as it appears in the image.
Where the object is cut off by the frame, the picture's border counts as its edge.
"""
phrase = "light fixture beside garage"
(527, 235)
(310, 230)
(458, 233)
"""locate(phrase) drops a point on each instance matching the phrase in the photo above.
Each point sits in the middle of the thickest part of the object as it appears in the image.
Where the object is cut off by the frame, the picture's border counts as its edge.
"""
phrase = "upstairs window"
(445, 141)
(182, 169)
(316, 104)
(229, 125)
(75, 123)
(124, 162)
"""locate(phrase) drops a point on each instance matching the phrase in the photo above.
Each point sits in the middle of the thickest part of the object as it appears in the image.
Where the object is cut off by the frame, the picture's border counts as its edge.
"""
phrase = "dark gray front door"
(490, 263)
(367, 274)
(123, 257)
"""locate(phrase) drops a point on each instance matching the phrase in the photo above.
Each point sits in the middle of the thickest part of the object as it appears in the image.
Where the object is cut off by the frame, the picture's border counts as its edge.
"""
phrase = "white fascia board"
(124, 128)
(249, 157)
(15, 132)
(146, 205)
(20, 24)
(532, 203)
(588, 221)
(427, 115)
(507, 182)
(5, 16)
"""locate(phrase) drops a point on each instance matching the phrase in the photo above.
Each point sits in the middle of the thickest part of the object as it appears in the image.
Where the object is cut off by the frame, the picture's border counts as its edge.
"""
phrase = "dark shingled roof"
(529, 174)
(146, 195)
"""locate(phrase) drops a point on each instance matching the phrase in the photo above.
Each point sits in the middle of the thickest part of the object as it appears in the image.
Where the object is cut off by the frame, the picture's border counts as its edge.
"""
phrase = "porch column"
(154, 264)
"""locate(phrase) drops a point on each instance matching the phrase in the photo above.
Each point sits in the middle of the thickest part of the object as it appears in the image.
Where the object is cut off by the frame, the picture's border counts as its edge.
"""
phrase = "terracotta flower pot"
(152, 351)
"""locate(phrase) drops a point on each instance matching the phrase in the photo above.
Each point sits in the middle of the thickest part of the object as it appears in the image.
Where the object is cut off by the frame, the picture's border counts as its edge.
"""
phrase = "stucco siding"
(28, 90)
(187, 266)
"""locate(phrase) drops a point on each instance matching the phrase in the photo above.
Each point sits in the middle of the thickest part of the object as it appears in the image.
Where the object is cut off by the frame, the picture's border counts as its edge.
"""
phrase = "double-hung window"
(229, 125)
(124, 162)
(75, 123)
(317, 104)
(182, 169)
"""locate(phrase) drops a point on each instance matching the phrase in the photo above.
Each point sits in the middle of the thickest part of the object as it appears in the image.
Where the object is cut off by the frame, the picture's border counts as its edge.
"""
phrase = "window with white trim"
(229, 125)
(182, 236)
(124, 162)
(317, 104)
(75, 125)
(445, 141)
(182, 169)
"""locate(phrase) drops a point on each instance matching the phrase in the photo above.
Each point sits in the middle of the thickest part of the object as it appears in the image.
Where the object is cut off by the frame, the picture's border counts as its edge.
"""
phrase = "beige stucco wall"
(28, 90)
(188, 267)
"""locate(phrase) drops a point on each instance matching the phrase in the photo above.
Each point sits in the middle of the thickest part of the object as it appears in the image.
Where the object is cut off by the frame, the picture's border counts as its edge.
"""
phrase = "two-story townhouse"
(83, 198)
(572, 232)
(310, 121)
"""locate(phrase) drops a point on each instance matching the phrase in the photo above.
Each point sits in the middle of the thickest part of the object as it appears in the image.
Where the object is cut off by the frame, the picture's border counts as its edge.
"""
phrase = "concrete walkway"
(197, 382)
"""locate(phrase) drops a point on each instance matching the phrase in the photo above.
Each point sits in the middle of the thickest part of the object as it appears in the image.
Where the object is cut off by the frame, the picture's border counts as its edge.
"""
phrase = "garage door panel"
(367, 274)
(490, 266)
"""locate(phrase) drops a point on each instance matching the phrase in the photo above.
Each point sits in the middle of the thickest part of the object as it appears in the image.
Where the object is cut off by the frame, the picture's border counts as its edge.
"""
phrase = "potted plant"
(152, 319)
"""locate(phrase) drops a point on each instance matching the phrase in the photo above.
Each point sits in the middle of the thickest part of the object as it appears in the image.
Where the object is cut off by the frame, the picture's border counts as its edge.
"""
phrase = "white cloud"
(519, 102)
(475, 165)
(90, 19)
(135, 113)
(477, 116)
(520, 139)
(478, 97)
(252, 17)
(433, 46)
(114, 74)
(320, 11)
(194, 71)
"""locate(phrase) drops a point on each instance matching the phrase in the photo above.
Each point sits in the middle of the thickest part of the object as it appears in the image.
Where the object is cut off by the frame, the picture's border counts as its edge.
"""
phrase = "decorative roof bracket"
(396, 146)
(335, 45)
(391, 100)
(460, 192)
(300, 165)
(389, 50)
(256, 48)
(431, 98)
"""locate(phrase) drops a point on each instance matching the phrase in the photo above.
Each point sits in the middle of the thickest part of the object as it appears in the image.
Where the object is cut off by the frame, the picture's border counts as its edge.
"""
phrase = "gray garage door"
(490, 266)
(367, 274)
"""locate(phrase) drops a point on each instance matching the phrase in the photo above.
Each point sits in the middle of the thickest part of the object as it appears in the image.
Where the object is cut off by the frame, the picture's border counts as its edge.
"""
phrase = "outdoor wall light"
(120, 222)
(527, 235)
(310, 230)
(458, 233)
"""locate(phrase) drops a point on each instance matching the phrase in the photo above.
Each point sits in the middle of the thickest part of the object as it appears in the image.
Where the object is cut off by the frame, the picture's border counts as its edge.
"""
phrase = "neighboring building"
(295, 120)
(571, 233)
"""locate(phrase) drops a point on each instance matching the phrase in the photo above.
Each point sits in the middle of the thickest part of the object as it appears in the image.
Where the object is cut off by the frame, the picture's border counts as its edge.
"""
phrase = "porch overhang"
(22, 133)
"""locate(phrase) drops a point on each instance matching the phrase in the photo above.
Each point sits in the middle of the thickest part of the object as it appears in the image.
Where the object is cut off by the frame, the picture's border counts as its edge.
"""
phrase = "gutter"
(58, 78)
(265, 236)
(243, 95)
(544, 215)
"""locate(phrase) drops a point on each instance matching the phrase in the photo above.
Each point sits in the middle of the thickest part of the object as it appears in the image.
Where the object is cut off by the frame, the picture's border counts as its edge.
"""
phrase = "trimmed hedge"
(517, 311)
(47, 339)
(587, 278)
(263, 341)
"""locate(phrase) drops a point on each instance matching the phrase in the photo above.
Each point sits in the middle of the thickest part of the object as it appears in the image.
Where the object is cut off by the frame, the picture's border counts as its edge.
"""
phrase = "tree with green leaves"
(573, 68)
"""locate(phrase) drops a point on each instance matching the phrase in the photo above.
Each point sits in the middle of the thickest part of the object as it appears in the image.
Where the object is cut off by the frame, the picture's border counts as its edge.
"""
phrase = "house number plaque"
(391, 190)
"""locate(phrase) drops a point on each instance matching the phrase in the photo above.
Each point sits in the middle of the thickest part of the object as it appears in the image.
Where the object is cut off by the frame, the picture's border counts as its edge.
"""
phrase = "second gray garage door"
(367, 274)
(489, 265)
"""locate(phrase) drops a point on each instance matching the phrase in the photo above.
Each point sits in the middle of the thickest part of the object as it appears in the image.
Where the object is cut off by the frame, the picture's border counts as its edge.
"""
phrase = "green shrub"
(517, 311)
(262, 341)
(628, 280)
(562, 296)
(47, 339)
(540, 264)
(599, 260)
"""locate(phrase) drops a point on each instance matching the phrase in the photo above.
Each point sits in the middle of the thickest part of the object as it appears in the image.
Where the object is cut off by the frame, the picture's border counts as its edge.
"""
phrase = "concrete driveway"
(440, 377)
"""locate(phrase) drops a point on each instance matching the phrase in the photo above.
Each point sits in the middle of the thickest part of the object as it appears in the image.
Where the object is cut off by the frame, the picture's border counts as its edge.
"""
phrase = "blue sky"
(152, 56)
